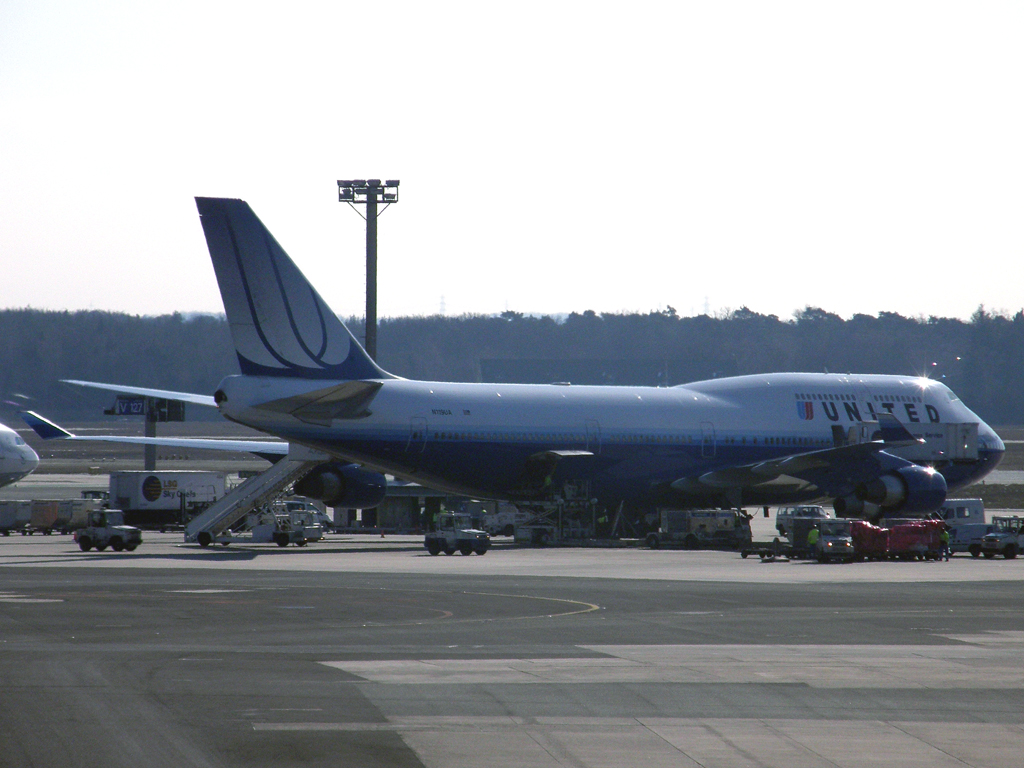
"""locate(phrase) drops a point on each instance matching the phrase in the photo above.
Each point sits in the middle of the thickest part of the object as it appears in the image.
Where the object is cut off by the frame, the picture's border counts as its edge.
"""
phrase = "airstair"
(253, 493)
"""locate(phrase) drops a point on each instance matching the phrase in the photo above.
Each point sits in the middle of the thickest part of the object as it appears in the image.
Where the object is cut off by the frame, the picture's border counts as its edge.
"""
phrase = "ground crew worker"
(944, 543)
(812, 540)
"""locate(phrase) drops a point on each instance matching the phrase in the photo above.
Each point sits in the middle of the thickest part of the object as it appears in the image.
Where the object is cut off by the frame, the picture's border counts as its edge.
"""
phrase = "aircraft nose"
(991, 450)
(29, 458)
(990, 440)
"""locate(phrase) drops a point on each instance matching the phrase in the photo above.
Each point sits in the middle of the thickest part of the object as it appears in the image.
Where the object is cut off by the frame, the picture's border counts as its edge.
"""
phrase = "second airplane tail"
(279, 323)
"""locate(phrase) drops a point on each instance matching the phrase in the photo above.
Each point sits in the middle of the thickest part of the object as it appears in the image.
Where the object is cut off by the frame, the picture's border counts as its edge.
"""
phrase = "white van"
(784, 515)
(956, 512)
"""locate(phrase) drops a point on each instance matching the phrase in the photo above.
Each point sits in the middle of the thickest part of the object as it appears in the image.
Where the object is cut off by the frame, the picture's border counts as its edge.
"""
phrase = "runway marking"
(675, 742)
(204, 591)
(679, 742)
(14, 597)
(446, 614)
(585, 607)
(991, 666)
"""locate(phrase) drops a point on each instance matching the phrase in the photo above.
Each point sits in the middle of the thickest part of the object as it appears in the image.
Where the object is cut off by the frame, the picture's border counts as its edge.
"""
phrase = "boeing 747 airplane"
(17, 458)
(874, 445)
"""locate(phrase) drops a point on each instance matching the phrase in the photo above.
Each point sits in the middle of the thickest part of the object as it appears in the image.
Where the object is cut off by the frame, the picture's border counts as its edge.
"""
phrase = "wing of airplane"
(268, 449)
(839, 472)
(166, 394)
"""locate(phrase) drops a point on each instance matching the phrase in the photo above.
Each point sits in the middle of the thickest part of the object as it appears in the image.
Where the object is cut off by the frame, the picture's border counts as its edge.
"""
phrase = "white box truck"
(164, 499)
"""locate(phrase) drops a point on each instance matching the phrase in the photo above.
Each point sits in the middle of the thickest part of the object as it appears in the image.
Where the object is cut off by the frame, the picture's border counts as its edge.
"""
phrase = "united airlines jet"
(17, 458)
(873, 444)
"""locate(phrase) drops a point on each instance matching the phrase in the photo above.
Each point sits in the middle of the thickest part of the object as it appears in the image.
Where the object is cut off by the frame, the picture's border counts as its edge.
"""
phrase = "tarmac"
(363, 651)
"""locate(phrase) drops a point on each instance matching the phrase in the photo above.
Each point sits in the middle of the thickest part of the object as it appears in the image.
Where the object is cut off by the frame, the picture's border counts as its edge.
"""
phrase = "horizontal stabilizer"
(48, 430)
(165, 394)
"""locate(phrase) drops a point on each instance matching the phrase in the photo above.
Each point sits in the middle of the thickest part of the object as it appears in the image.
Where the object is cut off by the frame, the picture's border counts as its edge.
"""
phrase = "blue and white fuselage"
(897, 443)
(631, 443)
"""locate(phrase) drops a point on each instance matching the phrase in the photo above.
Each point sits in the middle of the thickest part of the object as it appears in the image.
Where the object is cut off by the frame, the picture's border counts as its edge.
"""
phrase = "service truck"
(956, 512)
(303, 515)
(701, 529)
(502, 520)
(835, 541)
(968, 538)
(498, 518)
(105, 527)
(164, 499)
(453, 532)
(1006, 538)
(784, 516)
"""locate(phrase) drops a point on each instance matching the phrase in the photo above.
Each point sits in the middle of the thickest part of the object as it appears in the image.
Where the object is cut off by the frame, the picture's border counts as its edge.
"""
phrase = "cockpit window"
(939, 387)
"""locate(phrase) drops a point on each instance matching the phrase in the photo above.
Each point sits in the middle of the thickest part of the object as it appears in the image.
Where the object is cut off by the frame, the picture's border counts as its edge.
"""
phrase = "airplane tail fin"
(279, 323)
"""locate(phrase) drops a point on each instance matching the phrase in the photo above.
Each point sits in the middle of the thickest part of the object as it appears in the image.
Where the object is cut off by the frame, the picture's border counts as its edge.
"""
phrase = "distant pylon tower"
(369, 192)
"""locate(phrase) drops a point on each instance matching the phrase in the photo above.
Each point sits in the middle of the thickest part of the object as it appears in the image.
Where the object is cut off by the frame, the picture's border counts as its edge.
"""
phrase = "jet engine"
(344, 485)
(906, 489)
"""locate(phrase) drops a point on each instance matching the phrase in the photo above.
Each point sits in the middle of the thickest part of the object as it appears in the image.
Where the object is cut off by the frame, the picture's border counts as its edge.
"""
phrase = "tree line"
(980, 359)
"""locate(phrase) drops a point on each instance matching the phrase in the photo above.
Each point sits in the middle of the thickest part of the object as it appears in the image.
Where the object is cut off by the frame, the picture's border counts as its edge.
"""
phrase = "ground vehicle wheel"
(449, 550)
(822, 558)
(466, 549)
(117, 544)
(1010, 552)
(989, 555)
(433, 547)
(100, 547)
(281, 539)
(744, 554)
(204, 539)
(130, 547)
(481, 549)
(652, 540)
(690, 542)
(301, 543)
(975, 550)
(85, 543)
(508, 530)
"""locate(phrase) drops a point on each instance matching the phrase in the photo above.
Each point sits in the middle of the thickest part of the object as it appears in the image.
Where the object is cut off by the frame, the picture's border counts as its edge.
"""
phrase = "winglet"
(45, 428)
(894, 433)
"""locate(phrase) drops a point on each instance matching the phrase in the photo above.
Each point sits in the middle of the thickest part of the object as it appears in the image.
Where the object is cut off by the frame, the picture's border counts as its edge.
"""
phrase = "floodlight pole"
(369, 192)
(371, 274)
(149, 452)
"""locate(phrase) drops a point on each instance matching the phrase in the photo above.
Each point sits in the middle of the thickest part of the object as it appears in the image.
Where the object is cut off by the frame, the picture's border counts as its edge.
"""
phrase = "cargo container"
(15, 516)
(870, 542)
(917, 539)
(46, 516)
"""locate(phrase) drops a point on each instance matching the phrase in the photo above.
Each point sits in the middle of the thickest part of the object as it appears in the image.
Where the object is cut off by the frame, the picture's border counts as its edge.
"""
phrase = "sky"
(554, 157)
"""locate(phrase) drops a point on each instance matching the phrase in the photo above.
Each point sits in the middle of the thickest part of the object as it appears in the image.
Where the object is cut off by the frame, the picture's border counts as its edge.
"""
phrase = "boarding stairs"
(252, 494)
